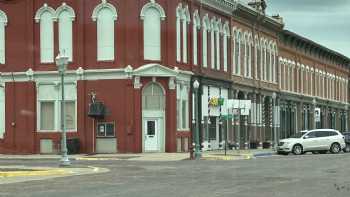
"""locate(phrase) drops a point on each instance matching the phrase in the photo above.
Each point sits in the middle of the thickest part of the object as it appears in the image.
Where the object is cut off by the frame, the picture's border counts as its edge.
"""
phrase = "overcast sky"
(326, 22)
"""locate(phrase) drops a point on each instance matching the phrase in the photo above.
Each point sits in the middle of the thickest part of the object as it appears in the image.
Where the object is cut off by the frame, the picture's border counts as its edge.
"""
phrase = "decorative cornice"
(226, 6)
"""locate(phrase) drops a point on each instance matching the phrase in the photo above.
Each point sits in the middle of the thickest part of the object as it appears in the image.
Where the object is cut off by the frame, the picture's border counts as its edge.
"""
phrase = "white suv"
(319, 140)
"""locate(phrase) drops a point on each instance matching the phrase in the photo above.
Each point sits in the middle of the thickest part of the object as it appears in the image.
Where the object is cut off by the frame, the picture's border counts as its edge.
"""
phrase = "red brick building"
(139, 58)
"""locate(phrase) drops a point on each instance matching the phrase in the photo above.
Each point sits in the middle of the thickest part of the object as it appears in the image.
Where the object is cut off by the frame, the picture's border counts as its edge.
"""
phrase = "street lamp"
(197, 153)
(61, 63)
(274, 115)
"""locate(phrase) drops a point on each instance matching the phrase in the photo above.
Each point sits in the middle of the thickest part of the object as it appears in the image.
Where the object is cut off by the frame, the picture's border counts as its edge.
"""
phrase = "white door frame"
(159, 117)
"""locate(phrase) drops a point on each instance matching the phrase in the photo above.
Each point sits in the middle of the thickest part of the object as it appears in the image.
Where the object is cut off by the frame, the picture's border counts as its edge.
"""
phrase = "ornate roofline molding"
(226, 6)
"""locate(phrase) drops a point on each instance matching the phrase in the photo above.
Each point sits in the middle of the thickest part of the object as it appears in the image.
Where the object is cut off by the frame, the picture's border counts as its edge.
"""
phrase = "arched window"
(153, 97)
(196, 27)
(65, 15)
(178, 32)
(237, 52)
(46, 16)
(257, 56)
(105, 14)
(263, 58)
(250, 55)
(275, 63)
(218, 30)
(2, 110)
(186, 19)
(268, 62)
(152, 14)
(212, 42)
(205, 29)
(243, 58)
(3, 23)
(246, 55)
(226, 36)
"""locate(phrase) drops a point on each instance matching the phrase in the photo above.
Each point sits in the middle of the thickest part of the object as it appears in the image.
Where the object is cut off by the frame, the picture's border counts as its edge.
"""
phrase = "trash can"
(73, 146)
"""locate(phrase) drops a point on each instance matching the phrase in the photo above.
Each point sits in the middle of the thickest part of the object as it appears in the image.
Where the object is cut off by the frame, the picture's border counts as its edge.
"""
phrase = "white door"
(151, 135)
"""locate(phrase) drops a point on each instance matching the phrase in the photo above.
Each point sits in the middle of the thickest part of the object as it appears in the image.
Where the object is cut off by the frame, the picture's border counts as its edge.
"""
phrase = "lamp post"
(197, 153)
(61, 63)
(274, 120)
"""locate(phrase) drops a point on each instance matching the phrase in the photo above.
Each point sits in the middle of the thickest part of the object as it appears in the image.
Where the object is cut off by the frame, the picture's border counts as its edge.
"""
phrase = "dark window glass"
(312, 134)
(151, 130)
(322, 133)
(105, 129)
(332, 133)
(212, 128)
(110, 130)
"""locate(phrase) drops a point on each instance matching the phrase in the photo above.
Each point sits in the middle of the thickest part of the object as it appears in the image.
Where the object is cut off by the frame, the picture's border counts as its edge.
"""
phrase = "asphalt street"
(306, 175)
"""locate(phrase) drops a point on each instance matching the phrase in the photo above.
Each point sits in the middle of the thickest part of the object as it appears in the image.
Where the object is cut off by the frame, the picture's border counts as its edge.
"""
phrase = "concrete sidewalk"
(207, 155)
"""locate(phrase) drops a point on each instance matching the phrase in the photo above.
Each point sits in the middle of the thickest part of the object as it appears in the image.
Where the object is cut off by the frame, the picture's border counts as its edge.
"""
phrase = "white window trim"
(59, 10)
(182, 98)
(57, 111)
(94, 17)
(178, 32)
(2, 133)
(37, 18)
(186, 19)
(196, 28)
(3, 24)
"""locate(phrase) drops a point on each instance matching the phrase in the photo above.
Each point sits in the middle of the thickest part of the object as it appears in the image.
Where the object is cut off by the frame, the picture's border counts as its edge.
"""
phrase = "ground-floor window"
(2, 111)
(49, 107)
(182, 107)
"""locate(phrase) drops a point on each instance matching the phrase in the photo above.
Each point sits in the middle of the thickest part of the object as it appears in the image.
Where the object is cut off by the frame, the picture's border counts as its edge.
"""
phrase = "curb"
(29, 172)
(263, 154)
(228, 158)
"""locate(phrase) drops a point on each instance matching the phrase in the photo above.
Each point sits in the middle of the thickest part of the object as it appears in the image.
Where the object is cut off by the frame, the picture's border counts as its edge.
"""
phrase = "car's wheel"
(335, 148)
(297, 149)
(347, 148)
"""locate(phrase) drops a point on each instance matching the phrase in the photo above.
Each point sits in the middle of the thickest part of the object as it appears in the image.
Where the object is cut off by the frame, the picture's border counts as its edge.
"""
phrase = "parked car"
(347, 142)
(318, 140)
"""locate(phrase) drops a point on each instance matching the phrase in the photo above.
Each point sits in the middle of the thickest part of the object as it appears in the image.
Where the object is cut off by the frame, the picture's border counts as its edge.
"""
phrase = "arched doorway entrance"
(153, 118)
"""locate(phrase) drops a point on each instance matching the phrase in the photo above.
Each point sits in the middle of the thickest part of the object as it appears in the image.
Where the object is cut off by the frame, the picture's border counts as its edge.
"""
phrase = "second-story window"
(212, 42)
(196, 27)
(182, 20)
(226, 36)
(3, 23)
(152, 14)
(237, 53)
(257, 57)
(46, 16)
(2, 111)
(105, 14)
(65, 15)
(205, 29)
(217, 43)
